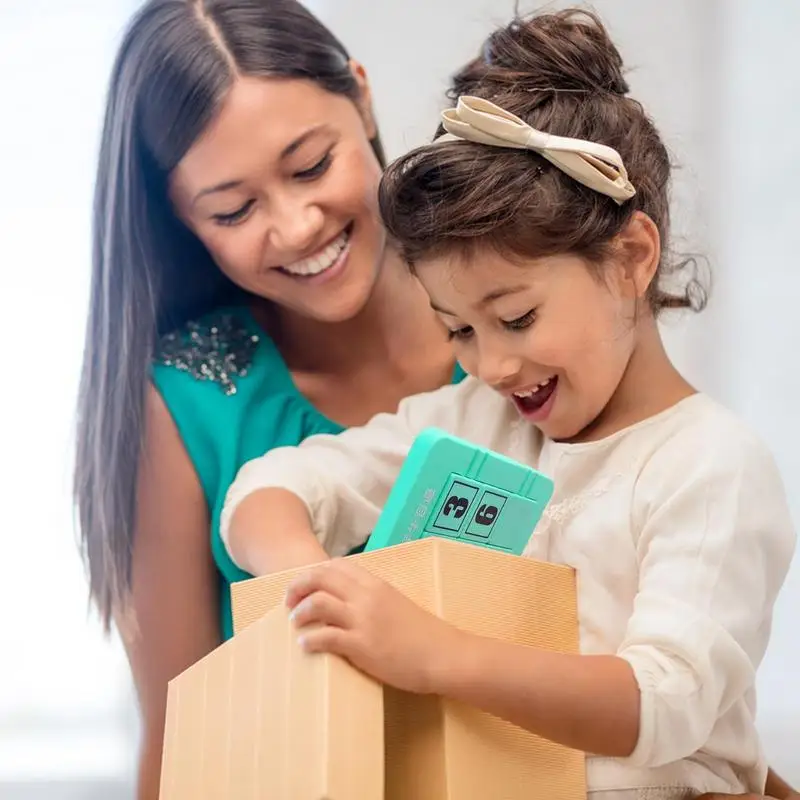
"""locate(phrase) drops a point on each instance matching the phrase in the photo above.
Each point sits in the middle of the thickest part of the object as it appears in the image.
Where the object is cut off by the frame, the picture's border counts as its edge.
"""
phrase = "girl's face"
(282, 190)
(552, 335)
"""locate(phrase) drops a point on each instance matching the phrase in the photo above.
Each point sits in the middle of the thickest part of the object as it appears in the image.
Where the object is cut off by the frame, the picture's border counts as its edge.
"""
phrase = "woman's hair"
(560, 73)
(150, 274)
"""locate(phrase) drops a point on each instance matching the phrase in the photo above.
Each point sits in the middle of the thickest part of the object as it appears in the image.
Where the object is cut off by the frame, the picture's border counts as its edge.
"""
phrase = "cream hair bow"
(594, 165)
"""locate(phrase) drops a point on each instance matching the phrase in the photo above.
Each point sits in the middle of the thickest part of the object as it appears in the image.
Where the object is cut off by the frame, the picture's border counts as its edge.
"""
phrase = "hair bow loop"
(594, 165)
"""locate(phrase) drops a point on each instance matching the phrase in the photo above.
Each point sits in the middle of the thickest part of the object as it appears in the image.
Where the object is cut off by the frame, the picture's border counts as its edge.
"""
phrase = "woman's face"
(282, 190)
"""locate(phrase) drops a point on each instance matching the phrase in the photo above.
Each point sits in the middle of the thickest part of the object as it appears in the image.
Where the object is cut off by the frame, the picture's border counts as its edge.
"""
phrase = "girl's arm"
(294, 506)
(715, 543)
(589, 703)
(297, 505)
(778, 788)
(272, 531)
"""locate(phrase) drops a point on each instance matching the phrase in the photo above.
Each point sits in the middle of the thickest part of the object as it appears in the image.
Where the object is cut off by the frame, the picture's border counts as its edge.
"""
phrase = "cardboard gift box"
(258, 718)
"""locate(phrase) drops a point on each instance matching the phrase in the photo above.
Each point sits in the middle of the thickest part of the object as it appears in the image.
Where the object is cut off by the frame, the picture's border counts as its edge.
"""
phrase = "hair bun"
(568, 51)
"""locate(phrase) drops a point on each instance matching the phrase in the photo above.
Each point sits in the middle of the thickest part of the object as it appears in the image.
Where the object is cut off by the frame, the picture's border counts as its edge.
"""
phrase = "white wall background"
(722, 78)
(65, 710)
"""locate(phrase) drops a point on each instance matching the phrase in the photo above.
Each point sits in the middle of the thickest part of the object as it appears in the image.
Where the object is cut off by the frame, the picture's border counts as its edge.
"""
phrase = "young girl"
(537, 223)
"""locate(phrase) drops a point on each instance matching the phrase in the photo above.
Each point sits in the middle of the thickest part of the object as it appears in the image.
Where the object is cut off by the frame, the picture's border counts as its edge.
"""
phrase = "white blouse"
(680, 533)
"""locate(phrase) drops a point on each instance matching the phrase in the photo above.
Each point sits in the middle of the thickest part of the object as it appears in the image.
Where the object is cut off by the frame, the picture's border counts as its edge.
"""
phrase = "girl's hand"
(744, 797)
(341, 608)
(716, 796)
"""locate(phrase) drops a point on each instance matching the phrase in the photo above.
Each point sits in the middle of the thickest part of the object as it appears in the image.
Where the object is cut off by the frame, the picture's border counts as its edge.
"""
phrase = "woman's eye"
(318, 169)
(460, 333)
(235, 216)
(520, 323)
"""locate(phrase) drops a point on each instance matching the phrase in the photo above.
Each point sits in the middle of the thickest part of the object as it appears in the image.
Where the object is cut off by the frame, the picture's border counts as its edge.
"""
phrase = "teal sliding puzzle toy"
(452, 488)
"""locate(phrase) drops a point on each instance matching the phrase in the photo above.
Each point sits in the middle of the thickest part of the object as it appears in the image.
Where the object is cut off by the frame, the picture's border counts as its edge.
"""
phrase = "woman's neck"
(393, 326)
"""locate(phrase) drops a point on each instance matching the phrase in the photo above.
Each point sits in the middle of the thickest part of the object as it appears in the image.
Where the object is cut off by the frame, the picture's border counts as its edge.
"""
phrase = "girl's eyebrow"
(495, 294)
(442, 310)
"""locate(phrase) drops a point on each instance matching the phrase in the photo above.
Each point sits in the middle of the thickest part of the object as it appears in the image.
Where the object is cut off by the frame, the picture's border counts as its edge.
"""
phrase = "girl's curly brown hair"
(562, 74)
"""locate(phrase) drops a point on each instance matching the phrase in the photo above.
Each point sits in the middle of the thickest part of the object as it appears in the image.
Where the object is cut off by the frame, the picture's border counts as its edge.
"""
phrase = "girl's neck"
(651, 384)
(395, 322)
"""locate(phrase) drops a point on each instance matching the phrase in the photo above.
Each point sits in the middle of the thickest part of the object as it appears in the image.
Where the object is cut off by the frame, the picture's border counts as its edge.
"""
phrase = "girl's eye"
(318, 169)
(460, 333)
(520, 323)
(235, 216)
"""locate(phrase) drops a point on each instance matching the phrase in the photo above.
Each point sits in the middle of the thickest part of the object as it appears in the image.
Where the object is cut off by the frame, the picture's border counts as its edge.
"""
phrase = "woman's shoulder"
(218, 350)
(222, 377)
(229, 393)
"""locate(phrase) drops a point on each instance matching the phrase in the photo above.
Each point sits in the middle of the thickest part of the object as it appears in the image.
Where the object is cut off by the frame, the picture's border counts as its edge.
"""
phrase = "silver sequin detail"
(216, 351)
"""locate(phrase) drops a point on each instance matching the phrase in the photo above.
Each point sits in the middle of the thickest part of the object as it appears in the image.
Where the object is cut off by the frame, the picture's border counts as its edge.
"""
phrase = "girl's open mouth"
(535, 404)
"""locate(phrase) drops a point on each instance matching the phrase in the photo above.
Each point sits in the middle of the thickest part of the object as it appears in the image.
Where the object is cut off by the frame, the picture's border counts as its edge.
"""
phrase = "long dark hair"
(150, 274)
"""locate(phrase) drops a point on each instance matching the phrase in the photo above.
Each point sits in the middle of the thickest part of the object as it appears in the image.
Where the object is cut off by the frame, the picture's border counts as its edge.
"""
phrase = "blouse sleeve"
(345, 479)
(715, 547)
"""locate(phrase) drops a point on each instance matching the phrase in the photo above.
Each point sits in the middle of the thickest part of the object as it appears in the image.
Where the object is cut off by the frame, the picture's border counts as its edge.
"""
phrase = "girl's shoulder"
(697, 428)
(706, 453)
(696, 448)
(700, 428)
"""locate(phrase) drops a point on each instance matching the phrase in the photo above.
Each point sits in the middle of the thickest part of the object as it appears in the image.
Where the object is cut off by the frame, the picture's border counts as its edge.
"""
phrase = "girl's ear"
(365, 98)
(639, 253)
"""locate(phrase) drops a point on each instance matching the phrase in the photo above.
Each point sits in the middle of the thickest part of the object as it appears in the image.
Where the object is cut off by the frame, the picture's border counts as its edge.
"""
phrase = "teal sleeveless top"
(232, 398)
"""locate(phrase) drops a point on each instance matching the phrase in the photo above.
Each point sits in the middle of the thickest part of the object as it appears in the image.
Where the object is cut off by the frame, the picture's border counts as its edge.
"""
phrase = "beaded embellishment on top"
(217, 351)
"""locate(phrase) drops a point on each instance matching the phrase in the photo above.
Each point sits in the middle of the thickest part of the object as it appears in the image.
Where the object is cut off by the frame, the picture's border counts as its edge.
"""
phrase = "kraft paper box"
(395, 747)
(259, 718)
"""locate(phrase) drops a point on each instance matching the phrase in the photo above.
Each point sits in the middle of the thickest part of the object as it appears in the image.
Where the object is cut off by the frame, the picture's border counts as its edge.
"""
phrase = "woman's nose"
(297, 229)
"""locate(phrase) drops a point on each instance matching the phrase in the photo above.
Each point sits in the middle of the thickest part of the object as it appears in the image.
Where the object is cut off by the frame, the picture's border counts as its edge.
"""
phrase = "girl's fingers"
(325, 639)
(356, 573)
(732, 797)
(325, 577)
(321, 608)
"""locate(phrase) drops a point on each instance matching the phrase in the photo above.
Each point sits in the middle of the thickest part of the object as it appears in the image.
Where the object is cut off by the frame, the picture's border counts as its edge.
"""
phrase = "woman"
(242, 298)
(237, 187)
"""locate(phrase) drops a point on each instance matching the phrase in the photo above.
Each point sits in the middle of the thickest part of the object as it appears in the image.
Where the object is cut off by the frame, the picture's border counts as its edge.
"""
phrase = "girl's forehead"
(477, 280)
(480, 281)
(486, 268)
